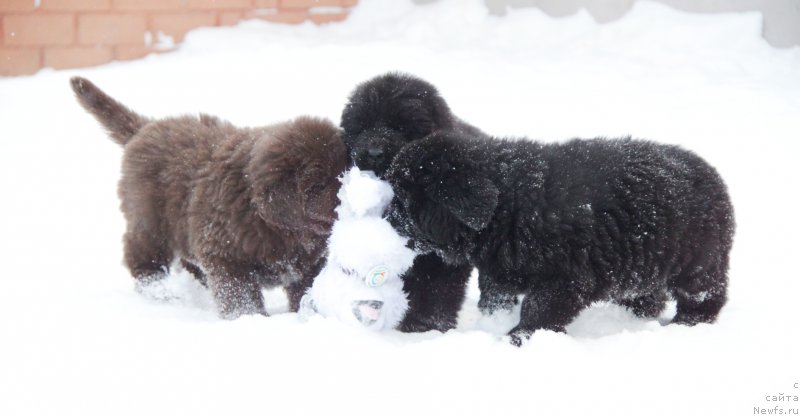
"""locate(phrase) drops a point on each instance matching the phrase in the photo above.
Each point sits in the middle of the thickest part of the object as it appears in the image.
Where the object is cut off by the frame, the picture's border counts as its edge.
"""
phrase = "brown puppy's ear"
(275, 192)
(281, 205)
(472, 199)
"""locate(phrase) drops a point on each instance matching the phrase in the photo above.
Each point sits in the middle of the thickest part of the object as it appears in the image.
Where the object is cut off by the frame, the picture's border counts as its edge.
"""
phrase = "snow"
(78, 340)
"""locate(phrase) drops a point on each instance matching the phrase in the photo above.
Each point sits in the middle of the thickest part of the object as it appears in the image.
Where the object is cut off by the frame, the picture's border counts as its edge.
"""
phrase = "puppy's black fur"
(382, 116)
(387, 112)
(565, 225)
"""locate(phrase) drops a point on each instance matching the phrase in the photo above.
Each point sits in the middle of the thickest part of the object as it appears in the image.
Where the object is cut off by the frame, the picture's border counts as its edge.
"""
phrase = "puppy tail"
(120, 122)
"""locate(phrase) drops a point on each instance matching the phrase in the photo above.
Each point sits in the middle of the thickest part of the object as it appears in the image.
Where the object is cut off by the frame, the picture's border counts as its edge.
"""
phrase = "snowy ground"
(75, 339)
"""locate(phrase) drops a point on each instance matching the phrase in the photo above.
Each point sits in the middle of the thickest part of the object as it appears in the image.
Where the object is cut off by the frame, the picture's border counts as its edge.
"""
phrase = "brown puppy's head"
(385, 113)
(441, 198)
(295, 177)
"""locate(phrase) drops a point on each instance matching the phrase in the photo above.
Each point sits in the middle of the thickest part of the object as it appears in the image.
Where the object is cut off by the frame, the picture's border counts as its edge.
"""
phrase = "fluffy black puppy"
(383, 115)
(568, 224)
(389, 111)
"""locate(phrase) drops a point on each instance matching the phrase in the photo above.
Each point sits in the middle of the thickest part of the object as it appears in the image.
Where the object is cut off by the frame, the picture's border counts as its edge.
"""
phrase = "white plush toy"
(361, 283)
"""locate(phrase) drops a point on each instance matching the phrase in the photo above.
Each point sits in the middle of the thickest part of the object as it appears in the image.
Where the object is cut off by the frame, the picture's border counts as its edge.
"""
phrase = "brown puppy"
(246, 208)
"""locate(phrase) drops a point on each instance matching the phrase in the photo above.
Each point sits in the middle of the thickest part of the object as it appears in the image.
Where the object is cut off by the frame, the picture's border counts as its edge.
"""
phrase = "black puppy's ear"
(470, 198)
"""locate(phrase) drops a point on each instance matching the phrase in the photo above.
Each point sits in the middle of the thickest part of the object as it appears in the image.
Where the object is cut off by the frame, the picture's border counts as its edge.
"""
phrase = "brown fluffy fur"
(246, 208)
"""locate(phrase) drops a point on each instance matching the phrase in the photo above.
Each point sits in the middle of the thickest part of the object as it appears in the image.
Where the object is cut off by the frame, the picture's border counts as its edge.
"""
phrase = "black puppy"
(382, 116)
(389, 111)
(569, 224)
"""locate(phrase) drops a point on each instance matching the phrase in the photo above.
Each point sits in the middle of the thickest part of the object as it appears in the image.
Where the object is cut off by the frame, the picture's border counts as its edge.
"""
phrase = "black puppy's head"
(385, 113)
(442, 199)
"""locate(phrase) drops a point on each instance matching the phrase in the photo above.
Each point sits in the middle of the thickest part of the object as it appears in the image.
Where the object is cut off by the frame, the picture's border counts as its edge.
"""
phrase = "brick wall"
(79, 33)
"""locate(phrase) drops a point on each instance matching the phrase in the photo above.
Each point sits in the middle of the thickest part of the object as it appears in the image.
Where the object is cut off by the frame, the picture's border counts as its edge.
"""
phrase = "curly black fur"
(569, 224)
(383, 115)
(389, 111)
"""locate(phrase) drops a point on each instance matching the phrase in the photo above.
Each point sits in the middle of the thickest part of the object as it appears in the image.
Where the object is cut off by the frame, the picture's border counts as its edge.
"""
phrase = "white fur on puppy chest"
(361, 283)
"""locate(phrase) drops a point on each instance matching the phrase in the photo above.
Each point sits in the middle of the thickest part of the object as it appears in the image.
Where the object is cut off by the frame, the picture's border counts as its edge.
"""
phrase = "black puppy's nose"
(375, 152)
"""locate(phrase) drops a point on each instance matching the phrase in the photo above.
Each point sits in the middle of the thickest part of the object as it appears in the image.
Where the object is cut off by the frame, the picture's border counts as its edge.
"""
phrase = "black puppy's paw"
(422, 325)
(519, 336)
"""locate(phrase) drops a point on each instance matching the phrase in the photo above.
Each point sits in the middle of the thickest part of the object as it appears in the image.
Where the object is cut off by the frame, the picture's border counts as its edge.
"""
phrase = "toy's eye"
(377, 276)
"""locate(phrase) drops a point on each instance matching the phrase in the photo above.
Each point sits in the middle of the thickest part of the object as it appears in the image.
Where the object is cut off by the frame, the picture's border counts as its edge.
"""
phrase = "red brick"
(128, 52)
(82, 5)
(292, 16)
(139, 5)
(19, 61)
(265, 3)
(48, 29)
(17, 5)
(230, 18)
(76, 56)
(309, 3)
(217, 4)
(322, 18)
(177, 24)
(110, 29)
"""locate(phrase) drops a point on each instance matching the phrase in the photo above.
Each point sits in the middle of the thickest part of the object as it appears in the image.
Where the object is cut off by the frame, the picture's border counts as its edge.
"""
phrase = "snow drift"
(77, 340)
